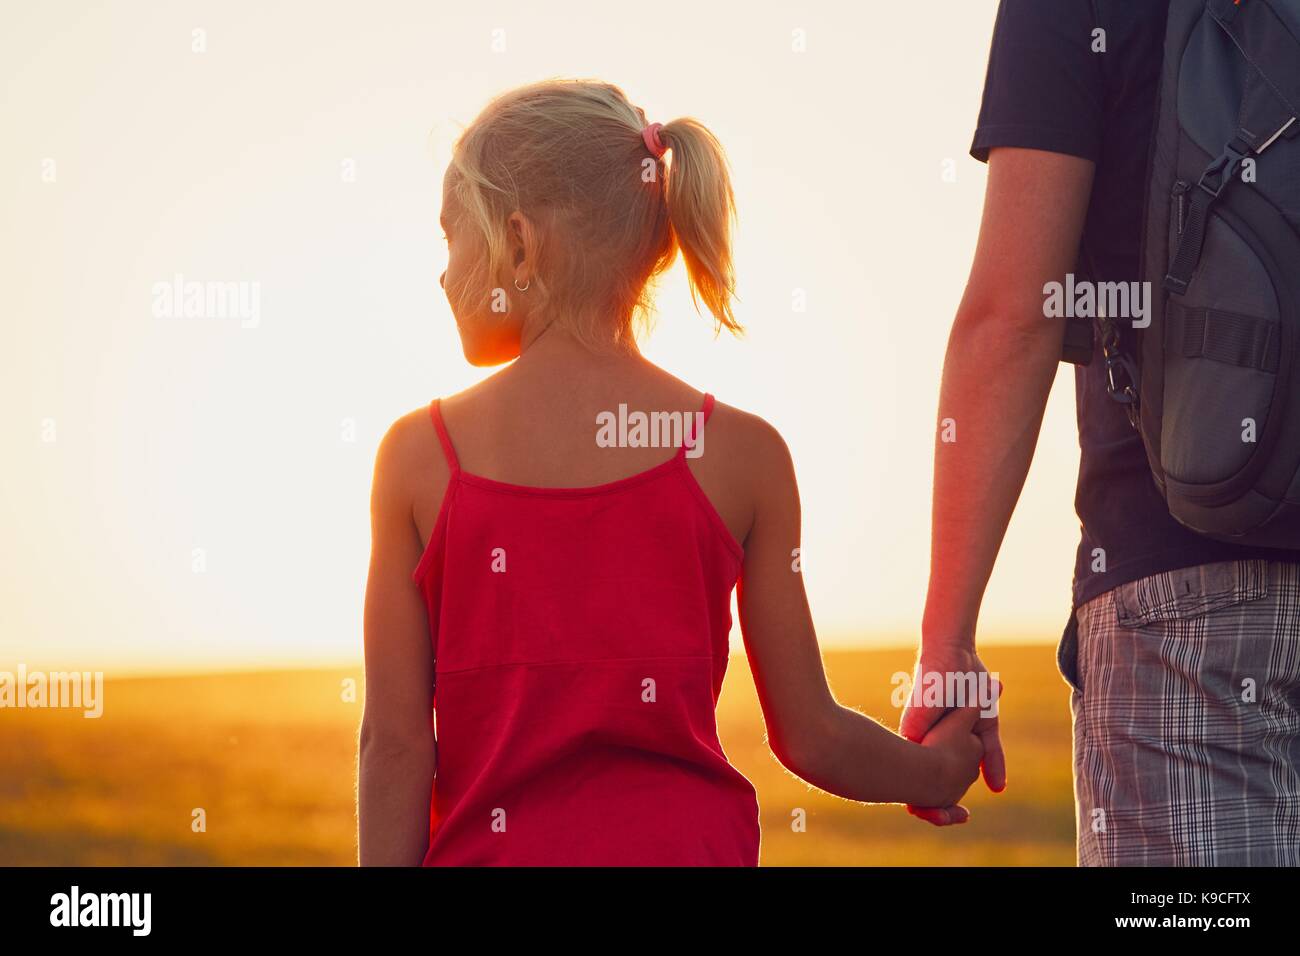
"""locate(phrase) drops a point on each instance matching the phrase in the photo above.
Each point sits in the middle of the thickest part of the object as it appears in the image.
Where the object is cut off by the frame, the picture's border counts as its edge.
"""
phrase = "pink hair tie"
(652, 140)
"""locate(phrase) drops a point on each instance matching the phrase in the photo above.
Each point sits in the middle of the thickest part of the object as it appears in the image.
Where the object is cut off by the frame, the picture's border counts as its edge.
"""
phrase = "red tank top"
(580, 639)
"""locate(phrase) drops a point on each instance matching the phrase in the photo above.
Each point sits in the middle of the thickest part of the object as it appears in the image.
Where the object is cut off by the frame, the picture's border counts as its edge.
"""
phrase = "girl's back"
(579, 606)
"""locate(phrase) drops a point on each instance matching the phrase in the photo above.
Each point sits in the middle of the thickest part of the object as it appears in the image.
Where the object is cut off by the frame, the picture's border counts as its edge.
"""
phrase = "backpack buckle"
(1218, 173)
(1213, 181)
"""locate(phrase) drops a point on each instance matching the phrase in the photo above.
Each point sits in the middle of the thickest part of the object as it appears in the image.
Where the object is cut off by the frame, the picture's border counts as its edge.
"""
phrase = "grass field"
(270, 758)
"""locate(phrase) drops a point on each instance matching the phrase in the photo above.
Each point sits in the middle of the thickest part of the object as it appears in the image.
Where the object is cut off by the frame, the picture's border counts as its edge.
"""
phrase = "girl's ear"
(523, 244)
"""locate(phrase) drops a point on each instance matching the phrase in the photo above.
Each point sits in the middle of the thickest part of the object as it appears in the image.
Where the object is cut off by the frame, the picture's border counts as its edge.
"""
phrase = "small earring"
(524, 287)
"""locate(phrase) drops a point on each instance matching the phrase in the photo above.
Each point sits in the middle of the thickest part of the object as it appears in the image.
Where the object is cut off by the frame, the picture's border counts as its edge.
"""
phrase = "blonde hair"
(569, 155)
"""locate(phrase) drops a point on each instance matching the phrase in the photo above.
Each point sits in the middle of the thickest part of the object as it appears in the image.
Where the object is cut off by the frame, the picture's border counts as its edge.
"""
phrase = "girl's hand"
(957, 751)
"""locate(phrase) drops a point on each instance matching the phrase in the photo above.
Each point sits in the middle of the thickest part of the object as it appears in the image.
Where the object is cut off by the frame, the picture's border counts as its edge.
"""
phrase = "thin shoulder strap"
(435, 412)
(689, 435)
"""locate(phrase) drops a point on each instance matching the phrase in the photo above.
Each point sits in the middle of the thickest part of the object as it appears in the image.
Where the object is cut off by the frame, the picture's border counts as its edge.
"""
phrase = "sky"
(192, 492)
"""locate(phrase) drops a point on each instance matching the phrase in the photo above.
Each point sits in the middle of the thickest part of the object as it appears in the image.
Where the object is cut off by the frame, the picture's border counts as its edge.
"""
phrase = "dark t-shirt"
(1046, 89)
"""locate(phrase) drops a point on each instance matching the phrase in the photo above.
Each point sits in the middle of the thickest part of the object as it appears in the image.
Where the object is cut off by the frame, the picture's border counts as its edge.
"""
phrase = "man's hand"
(918, 719)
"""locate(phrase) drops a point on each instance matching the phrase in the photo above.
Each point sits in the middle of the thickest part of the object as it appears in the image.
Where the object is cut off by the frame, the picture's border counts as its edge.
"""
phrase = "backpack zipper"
(1180, 204)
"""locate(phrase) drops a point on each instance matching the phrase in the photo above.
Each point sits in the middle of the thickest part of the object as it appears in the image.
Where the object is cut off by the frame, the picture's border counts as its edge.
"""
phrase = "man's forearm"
(996, 378)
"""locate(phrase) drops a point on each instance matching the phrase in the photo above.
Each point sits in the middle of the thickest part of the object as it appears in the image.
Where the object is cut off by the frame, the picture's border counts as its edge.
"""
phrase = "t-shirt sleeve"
(1044, 87)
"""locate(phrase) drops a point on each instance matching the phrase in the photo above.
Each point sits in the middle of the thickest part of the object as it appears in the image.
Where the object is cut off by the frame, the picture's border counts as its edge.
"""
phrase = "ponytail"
(701, 210)
(571, 155)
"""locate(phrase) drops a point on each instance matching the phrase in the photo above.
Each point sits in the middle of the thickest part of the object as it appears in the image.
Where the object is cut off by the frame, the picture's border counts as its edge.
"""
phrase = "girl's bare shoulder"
(410, 457)
(747, 440)
(744, 468)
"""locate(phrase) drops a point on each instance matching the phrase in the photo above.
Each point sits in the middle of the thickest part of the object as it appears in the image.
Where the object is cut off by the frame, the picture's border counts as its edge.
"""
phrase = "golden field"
(271, 759)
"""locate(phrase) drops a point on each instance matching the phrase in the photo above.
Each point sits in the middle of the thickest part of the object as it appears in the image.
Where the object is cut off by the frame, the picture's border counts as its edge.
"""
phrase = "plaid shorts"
(1186, 706)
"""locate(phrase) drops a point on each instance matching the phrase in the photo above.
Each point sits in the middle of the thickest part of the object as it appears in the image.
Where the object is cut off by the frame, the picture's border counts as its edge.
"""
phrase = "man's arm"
(1001, 362)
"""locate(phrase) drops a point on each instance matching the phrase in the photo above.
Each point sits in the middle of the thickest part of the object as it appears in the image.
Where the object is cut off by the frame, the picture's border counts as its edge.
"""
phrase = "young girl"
(569, 603)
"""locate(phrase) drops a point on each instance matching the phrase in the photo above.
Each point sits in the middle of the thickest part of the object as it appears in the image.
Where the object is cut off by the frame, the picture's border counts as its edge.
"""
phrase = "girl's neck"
(552, 343)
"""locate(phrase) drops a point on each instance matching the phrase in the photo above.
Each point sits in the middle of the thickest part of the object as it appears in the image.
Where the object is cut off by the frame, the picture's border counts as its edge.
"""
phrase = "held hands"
(956, 753)
(963, 737)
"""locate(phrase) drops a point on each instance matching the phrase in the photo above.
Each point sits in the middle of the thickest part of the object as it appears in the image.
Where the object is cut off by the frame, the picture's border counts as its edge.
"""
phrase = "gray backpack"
(1213, 383)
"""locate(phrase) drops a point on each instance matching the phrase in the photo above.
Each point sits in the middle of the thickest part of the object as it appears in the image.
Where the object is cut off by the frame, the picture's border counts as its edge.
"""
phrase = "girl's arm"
(832, 747)
(398, 755)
